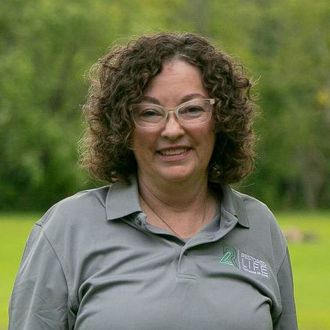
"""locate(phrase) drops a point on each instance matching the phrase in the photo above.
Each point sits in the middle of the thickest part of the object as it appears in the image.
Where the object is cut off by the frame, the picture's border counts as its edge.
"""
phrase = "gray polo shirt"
(93, 262)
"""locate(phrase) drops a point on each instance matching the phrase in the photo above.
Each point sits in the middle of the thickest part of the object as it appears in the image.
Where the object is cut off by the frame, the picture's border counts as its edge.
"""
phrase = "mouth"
(173, 152)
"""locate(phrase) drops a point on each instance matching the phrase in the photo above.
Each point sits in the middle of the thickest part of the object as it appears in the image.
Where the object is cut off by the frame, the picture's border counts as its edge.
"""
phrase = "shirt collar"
(122, 199)
(233, 203)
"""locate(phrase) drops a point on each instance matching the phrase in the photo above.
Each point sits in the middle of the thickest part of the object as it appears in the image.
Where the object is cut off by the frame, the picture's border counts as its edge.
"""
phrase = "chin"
(177, 176)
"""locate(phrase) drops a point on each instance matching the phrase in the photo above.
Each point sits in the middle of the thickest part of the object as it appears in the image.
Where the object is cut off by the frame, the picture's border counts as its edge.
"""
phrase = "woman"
(168, 245)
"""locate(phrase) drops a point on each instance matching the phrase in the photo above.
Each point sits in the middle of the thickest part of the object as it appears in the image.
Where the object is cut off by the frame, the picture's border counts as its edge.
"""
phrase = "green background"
(47, 48)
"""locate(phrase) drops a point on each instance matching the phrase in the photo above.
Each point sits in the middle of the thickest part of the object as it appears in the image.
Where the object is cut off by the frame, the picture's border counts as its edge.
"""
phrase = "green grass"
(14, 229)
(311, 269)
(310, 263)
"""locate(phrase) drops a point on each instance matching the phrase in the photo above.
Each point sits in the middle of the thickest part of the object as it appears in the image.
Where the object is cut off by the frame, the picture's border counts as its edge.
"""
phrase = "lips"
(173, 151)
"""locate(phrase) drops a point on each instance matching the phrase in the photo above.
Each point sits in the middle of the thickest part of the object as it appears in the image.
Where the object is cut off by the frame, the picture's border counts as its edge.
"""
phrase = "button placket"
(186, 264)
(140, 220)
(185, 267)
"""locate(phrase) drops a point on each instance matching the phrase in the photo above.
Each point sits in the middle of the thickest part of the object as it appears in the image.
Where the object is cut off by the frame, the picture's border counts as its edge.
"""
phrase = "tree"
(47, 47)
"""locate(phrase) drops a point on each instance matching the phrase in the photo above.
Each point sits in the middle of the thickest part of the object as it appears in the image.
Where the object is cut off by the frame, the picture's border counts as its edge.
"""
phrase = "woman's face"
(173, 152)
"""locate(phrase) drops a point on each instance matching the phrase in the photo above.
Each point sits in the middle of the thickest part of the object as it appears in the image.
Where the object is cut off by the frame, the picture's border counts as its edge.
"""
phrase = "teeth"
(172, 152)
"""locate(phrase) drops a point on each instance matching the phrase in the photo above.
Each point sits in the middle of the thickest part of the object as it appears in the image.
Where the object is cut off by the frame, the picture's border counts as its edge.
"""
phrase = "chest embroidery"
(236, 258)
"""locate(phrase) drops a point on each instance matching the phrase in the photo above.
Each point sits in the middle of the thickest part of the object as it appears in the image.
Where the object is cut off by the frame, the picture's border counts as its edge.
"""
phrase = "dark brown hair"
(119, 79)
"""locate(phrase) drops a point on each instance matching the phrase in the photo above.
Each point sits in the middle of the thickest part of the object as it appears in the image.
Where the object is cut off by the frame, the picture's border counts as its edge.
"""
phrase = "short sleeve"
(40, 295)
(287, 319)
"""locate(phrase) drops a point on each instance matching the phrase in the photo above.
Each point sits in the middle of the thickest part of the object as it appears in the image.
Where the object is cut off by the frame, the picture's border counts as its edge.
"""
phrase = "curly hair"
(119, 80)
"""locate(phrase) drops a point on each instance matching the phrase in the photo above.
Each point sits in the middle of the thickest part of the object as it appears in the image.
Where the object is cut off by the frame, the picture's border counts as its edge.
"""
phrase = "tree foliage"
(47, 47)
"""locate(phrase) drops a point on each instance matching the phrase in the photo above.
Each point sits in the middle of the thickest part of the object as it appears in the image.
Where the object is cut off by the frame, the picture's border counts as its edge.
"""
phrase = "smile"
(173, 151)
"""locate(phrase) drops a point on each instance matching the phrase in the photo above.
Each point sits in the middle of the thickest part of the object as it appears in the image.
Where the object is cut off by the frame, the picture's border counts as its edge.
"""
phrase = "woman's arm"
(40, 295)
(288, 319)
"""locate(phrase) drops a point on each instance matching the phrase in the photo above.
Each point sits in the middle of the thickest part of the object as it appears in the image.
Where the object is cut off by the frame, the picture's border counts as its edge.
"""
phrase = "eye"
(146, 113)
(150, 113)
(191, 111)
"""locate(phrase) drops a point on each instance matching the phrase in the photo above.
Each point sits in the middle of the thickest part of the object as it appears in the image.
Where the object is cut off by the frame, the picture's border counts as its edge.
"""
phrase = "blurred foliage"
(48, 46)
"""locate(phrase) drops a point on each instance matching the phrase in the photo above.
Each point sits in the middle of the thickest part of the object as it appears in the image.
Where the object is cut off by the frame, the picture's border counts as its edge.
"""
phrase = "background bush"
(47, 46)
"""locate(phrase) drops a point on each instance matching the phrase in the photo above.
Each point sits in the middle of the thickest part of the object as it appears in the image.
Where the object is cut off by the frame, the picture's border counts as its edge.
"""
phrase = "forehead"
(176, 80)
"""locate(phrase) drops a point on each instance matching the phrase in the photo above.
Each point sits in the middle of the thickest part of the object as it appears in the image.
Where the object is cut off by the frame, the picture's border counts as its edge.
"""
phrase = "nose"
(172, 129)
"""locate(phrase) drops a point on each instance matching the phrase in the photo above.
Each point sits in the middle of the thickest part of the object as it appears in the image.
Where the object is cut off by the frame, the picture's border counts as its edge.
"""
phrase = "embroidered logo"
(229, 256)
(234, 257)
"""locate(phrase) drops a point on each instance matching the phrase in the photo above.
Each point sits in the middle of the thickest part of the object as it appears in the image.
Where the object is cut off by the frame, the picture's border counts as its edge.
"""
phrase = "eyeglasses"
(193, 112)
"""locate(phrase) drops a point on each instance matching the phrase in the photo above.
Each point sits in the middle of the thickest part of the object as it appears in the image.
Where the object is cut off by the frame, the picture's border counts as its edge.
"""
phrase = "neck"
(177, 196)
(181, 208)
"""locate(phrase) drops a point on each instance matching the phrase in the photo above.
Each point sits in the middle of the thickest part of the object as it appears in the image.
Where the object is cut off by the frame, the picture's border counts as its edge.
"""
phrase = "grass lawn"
(311, 269)
(310, 263)
(14, 229)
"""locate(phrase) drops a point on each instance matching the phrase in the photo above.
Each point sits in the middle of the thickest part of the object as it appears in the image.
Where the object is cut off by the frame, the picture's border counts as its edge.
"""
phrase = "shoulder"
(261, 219)
(76, 208)
(254, 207)
(246, 208)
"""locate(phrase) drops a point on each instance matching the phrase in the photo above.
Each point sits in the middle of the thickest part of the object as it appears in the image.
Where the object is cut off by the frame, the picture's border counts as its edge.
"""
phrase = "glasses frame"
(167, 112)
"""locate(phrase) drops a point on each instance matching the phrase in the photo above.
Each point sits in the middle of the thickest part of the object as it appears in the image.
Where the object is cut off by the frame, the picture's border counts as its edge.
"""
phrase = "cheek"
(143, 142)
(208, 143)
(208, 136)
(138, 139)
(209, 147)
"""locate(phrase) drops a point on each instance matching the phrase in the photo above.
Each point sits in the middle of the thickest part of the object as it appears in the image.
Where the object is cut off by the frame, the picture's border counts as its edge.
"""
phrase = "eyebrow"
(186, 98)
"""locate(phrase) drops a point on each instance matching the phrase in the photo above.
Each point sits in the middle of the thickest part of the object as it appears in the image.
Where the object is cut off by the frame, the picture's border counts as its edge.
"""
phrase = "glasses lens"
(195, 111)
(148, 114)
